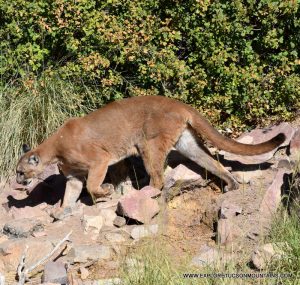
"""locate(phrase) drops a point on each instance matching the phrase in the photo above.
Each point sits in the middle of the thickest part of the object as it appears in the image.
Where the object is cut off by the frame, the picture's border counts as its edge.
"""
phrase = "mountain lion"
(147, 126)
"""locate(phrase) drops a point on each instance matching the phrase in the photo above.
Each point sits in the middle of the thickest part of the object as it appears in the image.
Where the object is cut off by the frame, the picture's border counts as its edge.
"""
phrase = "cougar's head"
(29, 166)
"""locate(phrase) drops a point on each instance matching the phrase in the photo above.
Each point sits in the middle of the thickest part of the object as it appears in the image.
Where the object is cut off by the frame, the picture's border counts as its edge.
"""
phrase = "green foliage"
(236, 61)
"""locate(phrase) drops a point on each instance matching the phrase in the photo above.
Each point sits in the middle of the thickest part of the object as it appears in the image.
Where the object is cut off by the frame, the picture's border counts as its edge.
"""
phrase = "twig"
(21, 267)
(23, 273)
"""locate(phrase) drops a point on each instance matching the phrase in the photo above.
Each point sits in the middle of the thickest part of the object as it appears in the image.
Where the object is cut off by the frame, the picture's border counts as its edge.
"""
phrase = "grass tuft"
(31, 110)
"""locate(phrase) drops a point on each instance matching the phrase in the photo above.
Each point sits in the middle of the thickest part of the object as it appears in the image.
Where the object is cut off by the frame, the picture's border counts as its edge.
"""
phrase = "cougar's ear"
(25, 148)
(33, 160)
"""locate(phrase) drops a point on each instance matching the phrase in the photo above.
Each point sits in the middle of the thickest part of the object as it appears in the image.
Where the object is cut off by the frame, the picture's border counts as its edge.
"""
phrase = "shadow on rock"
(50, 191)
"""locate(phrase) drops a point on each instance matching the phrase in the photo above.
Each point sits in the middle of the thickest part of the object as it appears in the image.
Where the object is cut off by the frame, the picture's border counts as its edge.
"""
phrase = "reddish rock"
(272, 197)
(150, 192)
(138, 205)
(258, 136)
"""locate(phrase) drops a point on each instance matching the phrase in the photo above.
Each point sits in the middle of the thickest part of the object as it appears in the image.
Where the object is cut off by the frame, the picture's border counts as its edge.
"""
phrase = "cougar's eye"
(21, 173)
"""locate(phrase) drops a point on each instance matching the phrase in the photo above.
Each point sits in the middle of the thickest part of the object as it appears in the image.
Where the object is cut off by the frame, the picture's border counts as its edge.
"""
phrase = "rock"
(115, 237)
(264, 254)
(285, 163)
(109, 216)
(112, 281)
(139, 232)
(179, 175)
(84, 273)
(55, 272)
(29, 212)
(89, 252)
(228, 231)
(210, 256)
(150, 192)
(107, 204)
(119, 221)
(22, 227)
(247, 176)
(12, 250)
(92, 223)
(124, 187)
(258, 136)
(138, 205)
(272, 197)
(210, 215)
(295, 146)
(3, 238)
(229, 210)
(39, 234)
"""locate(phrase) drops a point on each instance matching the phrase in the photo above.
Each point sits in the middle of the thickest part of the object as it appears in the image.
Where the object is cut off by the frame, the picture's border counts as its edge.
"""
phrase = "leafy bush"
(237, 61)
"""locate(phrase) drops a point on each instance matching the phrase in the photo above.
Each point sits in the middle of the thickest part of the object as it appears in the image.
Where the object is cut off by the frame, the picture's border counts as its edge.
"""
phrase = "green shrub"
(237, 61)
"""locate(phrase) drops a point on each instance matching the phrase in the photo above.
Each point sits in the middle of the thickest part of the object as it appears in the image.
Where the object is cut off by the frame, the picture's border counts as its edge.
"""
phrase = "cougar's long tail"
(202, 127)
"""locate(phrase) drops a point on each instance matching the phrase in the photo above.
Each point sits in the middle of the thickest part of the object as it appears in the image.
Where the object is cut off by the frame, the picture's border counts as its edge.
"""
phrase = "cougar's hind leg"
(192, 148)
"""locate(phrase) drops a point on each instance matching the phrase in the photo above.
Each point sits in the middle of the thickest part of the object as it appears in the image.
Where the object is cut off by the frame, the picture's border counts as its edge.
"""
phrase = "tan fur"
(147, 126)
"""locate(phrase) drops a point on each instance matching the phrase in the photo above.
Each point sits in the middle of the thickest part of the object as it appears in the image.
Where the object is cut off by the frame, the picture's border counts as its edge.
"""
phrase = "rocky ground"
(191, 214)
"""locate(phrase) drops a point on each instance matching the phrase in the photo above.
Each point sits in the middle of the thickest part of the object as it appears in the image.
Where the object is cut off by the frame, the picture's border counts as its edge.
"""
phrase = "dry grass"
(32, 110)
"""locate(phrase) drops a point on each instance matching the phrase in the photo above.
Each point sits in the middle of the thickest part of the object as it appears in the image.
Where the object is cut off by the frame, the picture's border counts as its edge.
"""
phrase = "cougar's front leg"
(73, 190)
(95, 178)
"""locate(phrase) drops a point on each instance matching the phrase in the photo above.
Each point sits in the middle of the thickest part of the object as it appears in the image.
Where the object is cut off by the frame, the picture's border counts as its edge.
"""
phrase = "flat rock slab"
(55, 272)
(258, 136)
(89, 252)
(272, 197)
(179, 175)
(295, 146)
(12, 250)
(22, 227)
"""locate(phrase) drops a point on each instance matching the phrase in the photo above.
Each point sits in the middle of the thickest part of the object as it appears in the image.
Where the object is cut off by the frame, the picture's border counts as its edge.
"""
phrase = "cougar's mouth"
(21, 179)
(26, 181)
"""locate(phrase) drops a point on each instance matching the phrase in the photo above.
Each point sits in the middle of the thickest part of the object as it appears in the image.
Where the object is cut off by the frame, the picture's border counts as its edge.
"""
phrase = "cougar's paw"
(61, 213)
(108, 189)
(232, 186)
